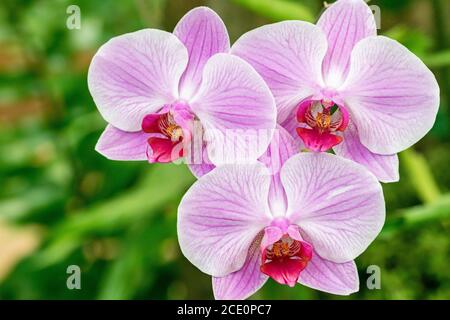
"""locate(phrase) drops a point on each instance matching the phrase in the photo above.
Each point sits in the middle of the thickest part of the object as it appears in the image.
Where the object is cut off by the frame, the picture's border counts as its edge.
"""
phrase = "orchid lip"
(167, 130)
(284, 255)
(321, 122)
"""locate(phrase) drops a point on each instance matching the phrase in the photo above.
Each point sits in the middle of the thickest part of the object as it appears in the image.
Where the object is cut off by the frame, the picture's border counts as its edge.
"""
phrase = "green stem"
(420, 175)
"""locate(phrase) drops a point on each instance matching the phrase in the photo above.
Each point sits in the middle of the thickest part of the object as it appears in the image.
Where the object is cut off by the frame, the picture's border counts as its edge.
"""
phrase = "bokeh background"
(63, 204)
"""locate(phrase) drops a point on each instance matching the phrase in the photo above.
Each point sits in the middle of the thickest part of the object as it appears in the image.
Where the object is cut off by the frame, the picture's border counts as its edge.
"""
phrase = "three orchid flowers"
(297, 217)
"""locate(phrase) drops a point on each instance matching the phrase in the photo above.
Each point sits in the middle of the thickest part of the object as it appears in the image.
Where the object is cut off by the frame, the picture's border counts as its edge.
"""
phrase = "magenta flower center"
(167, 130)
(285, 259)
(321, 123)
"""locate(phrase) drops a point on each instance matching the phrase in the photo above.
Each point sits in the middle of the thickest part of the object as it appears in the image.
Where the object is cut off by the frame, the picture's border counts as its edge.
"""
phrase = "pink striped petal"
(281, 148)
(221, 215)
(233, 99)
(337, 203)
(291, 124)
(204, 34)
(384, 167)
(136, 74)
(327, 276)
(199, 163)
(289, 57)
(196, 154)
(241, 284)
(345, 23)
(392, 96)
(199, 170)
(116, 144)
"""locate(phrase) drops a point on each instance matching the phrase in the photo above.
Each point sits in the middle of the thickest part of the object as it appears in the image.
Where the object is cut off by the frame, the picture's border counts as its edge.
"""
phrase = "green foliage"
(117, 220)
(278, 10)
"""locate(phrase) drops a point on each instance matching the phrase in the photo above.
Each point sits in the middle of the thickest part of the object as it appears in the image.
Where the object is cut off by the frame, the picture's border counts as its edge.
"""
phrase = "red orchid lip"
(321, 121)
(284, 254)
(167, 135)
(285, 259)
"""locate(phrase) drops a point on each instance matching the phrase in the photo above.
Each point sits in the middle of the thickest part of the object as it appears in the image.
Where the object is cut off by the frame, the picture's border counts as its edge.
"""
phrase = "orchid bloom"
(305, 222)
(151, 85)
(339, 86)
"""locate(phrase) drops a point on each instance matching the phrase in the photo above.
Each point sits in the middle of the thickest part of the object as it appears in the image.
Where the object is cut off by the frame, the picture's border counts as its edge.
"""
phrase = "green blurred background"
(63, 204)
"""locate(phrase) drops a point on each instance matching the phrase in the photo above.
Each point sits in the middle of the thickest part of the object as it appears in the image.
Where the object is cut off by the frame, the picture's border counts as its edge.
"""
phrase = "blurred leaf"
(439, 210)
(163, 184)
(139, 255)
(117, 220)
(278, 10)
(31, 202)
(437, 60)
(414, 40)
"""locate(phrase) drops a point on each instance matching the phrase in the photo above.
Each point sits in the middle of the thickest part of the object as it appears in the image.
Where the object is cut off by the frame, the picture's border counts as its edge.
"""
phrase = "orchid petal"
(201, 166)
(233, 100)
(271, 235)
(392, 96)
(345, 23)
(243, 283)
(199, 170)
(331, 277)
(384, 167)
(221, 215)
(282, 147)
(136, 74)
(196, 154)
(204, 34)
(290, 125)
(289, 57)
(116, 144)
(337, 204)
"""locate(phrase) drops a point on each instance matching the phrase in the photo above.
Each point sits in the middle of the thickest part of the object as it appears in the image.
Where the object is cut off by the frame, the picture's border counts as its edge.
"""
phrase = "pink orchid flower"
(305, 222)
(339, 86)
(151, 85)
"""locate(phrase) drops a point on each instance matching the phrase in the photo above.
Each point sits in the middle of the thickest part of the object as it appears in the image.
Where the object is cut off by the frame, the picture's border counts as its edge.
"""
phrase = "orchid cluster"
(291, 129)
